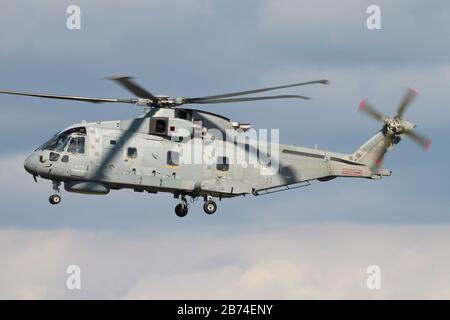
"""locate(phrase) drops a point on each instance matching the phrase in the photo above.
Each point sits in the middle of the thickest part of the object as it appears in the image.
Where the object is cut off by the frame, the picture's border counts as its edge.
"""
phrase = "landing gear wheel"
(54, 199)
(181, 210)
(210, 207)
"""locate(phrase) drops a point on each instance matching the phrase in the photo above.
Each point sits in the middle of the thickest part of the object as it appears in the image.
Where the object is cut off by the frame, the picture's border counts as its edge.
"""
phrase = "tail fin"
(368, 151)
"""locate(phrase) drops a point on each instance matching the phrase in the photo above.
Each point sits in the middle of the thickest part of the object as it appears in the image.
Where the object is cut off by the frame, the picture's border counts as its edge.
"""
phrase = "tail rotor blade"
(368, 109)
(406, 101)
(421, 140)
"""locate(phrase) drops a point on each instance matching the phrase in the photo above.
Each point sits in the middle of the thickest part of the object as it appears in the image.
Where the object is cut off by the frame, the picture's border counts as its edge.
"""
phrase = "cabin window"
(183, 114)
(158, 126)
(132, 153)
(223, 164)
(65, 158)
(173, 158)
(161, 126)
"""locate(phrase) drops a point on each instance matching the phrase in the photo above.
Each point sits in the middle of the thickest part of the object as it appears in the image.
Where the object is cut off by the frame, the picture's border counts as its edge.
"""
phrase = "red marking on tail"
(377, 161)
(362, 104)
(351, 172)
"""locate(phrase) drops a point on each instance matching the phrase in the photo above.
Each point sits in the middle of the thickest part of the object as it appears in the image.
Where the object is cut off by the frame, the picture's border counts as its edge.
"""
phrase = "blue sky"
(199, 47)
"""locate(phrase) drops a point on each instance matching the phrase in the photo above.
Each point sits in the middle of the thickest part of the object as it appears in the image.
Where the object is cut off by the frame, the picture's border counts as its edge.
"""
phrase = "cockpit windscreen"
(59, 141)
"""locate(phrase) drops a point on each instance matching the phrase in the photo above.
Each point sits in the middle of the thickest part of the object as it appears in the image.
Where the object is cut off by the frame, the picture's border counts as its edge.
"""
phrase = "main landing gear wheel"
(181, 210)
(54, 199)
(210, 207)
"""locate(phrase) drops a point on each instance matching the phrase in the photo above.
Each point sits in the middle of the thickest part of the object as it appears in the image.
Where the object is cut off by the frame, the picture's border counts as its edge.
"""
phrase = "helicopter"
(199, 154)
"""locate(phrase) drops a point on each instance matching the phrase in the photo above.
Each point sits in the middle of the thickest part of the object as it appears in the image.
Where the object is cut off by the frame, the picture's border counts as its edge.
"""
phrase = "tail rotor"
(394, 128)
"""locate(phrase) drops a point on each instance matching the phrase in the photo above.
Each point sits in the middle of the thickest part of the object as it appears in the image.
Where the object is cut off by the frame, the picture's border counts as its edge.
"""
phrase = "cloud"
(306, 261)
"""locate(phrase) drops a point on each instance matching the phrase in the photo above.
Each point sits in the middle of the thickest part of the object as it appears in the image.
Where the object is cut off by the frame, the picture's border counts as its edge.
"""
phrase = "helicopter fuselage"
(179, 151)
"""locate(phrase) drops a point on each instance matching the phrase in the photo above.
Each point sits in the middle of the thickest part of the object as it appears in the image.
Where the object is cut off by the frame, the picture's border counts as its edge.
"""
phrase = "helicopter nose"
(31, 164)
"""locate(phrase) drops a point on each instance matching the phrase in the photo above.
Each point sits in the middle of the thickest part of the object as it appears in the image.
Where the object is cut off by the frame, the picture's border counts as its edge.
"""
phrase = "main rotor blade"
(421, 140)
(76, 98)
(204, 101)
(406, 101)
(368, 109)
(127, 83)
(241, 93)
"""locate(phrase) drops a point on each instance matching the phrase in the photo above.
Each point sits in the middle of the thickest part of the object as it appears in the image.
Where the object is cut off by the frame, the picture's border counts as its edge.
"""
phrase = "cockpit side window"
(72, 145)
(80, 144)
(76, 145)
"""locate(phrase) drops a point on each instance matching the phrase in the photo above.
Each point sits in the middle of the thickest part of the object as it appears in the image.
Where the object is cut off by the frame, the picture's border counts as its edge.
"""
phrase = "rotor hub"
(394, 125)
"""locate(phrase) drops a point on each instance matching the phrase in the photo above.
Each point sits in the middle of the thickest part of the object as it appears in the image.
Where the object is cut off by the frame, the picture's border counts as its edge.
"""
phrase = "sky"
(315, 242)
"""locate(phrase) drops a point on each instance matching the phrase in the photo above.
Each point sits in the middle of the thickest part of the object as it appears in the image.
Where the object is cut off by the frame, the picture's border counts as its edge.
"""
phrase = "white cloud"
(309, 261)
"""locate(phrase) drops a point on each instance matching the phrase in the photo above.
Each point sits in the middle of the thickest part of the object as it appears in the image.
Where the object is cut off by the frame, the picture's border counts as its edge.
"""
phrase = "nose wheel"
(55, 198)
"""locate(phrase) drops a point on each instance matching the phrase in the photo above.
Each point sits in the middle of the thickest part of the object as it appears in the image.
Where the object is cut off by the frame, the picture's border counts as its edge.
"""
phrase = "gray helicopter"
(199, 154)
